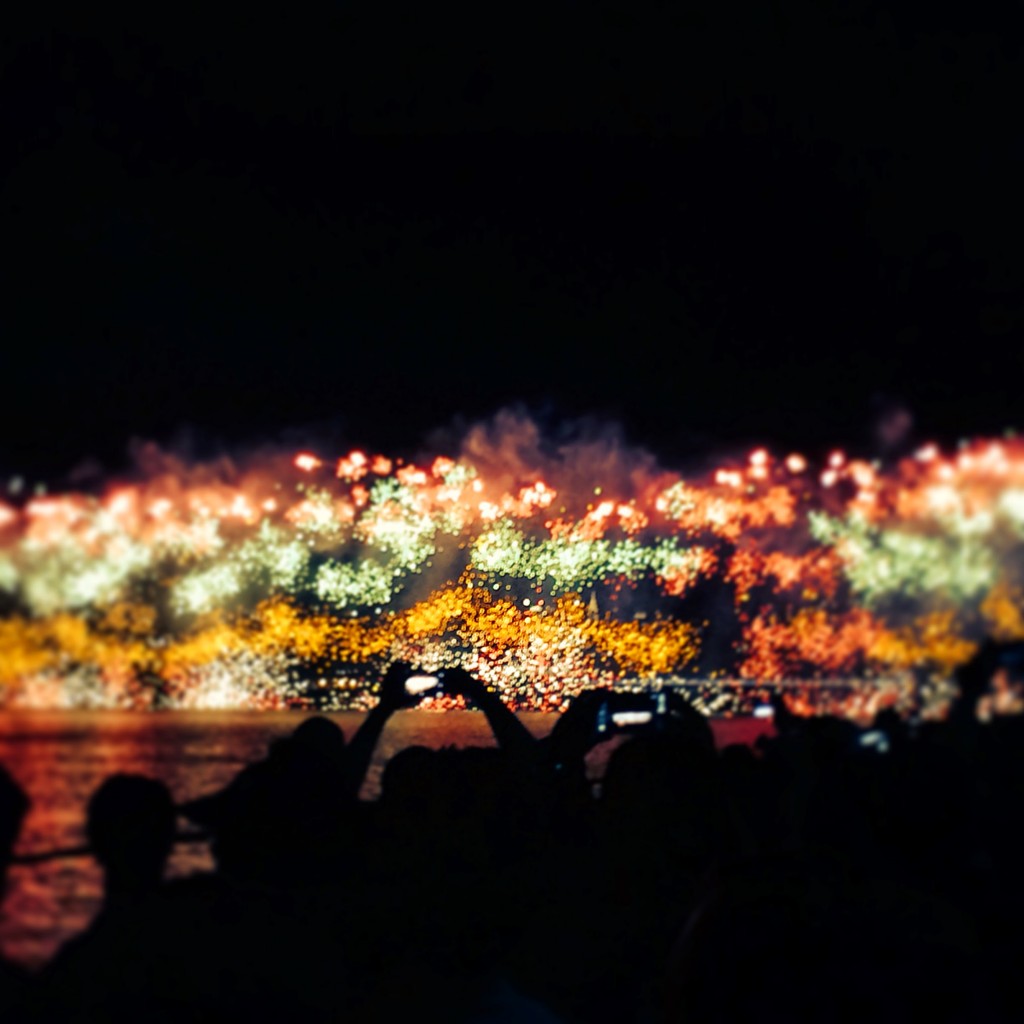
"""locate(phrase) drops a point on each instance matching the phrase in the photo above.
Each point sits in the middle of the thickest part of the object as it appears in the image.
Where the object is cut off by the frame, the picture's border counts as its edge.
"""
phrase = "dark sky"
(707, 222)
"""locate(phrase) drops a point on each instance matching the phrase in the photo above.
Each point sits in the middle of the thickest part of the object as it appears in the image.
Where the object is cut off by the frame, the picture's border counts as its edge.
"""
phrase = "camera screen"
(875, 739)
(631, 717)
(421, 684)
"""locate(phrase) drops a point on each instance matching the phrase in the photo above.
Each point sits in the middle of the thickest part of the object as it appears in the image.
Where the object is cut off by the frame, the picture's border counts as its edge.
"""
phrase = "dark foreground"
(60, 758)
(822, 873)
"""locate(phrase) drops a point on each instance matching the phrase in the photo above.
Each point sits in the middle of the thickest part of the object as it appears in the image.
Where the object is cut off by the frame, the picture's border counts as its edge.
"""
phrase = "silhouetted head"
(321, 736)
(287, 817)
(658, 785)
(131, 825)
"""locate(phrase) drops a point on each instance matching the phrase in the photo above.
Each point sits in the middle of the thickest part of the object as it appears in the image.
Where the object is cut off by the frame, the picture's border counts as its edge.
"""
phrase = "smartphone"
(420, 684)
(631, 713)
(875, 739)
(632, 719)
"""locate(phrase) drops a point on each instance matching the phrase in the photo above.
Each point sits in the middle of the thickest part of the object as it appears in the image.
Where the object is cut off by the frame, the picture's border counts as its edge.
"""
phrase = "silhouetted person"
(130, 825)
(248, 943)
(284, 820)
(15, 984)
(654, 823)
(273, 914)
(105, 973)
(438, 909)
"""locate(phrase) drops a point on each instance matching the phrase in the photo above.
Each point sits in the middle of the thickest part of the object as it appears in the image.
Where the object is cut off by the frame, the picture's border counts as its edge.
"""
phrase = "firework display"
(294, 580)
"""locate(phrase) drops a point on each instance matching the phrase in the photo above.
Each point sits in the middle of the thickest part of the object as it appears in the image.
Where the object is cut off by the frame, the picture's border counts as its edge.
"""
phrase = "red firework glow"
(293, 579)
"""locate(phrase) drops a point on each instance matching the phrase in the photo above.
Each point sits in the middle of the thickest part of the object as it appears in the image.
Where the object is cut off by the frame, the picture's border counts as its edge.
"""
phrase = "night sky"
(349, 225)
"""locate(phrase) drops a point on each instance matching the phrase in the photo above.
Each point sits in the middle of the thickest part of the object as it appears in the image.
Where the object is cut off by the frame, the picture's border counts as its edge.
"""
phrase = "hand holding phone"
(630, 713)
(458, 682)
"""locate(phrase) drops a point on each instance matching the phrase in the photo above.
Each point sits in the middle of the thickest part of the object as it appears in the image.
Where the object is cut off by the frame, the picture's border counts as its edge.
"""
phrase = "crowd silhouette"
(827, 873)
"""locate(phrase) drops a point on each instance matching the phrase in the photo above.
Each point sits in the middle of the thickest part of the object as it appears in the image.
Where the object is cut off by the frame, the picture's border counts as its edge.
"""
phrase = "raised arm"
(509, 732)
(393, 697)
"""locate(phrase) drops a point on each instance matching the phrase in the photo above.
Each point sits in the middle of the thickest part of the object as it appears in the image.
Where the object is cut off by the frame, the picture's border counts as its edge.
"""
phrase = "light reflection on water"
(60, 757)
